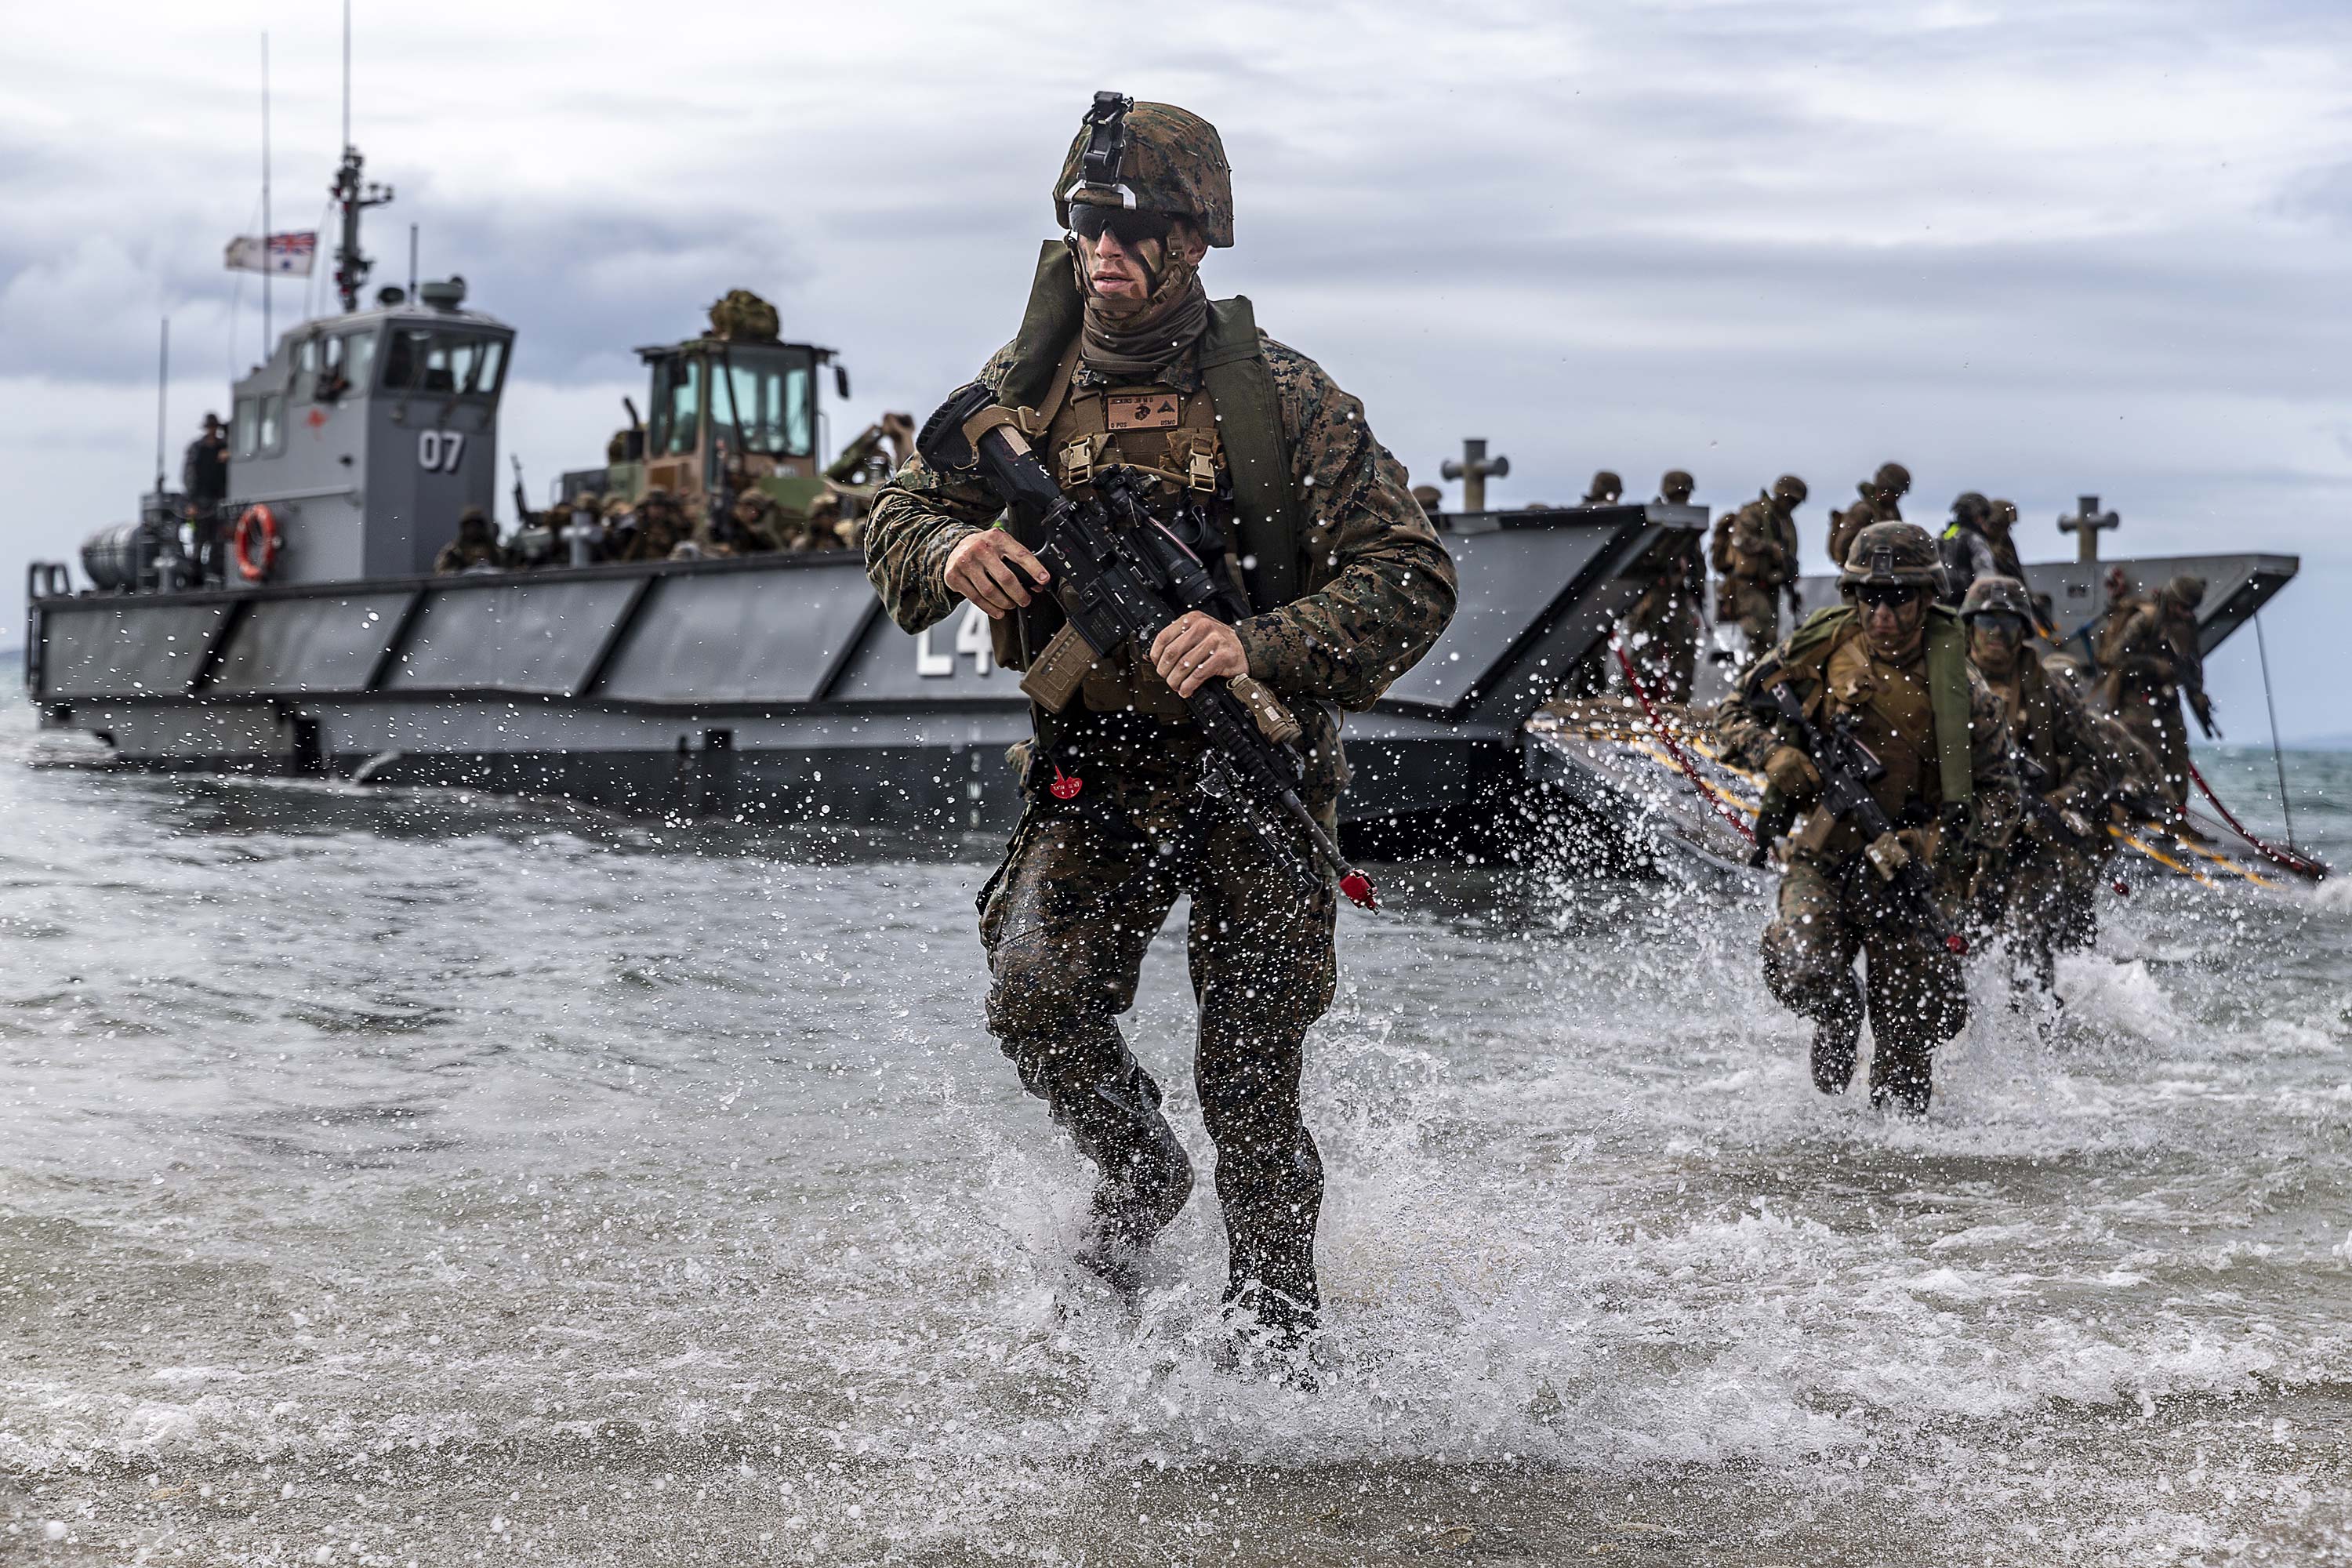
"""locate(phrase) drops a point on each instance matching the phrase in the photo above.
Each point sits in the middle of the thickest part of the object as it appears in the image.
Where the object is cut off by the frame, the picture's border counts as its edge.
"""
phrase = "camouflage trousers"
(2042, 899)
(1663, 646)
(1757, 609)
(2155, 718)
(1915, 999)
(1085, 887)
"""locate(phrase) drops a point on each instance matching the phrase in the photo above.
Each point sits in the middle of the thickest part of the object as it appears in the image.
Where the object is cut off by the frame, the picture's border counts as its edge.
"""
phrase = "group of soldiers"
(2000, 768)
(2138, 664)
(657, 526)
(1993, 781)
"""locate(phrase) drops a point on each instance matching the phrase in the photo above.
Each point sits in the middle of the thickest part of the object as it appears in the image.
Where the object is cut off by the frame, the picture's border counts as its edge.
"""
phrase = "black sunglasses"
(1125, 225)
(1886, 596)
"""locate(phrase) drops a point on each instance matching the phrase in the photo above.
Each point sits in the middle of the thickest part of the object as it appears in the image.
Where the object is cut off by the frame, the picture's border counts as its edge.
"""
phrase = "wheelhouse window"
(248, 416)
(344, 362)
(767, 395)
(443, 364)
(272, 421)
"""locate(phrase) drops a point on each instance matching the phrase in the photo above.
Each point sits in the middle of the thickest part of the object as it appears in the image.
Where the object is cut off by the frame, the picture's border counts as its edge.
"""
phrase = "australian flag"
(287, 252)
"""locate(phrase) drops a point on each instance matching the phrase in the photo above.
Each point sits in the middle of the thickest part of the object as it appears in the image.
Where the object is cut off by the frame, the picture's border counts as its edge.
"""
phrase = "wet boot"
(1273, 1304)
(1145, 1178)
(1901, 1075)
(1837, 1039)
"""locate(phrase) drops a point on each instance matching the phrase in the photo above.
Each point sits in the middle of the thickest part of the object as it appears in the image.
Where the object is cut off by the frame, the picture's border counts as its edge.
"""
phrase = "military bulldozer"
(738, 408)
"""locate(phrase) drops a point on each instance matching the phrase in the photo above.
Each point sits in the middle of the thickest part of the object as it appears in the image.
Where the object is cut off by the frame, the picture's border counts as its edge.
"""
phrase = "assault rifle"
(524, 516)
(1847, 770)
(1122, 577)
(2031, 776)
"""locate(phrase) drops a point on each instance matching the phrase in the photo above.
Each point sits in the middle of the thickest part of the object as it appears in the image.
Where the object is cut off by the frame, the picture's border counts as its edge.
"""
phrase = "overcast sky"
(2032, 249)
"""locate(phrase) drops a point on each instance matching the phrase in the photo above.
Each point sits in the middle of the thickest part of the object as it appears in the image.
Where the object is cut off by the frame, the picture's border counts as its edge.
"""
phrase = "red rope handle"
(2287, 858)
(1658, 727)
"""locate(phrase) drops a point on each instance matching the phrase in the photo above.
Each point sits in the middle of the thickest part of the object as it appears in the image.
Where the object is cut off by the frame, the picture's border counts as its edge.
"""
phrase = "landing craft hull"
(770, 688)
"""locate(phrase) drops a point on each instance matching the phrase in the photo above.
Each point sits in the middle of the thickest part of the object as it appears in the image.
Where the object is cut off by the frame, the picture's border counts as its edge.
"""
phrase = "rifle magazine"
(1055, 676)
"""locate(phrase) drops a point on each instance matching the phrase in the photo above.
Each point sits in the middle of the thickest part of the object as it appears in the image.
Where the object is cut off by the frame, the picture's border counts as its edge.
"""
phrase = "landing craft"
(757, 688)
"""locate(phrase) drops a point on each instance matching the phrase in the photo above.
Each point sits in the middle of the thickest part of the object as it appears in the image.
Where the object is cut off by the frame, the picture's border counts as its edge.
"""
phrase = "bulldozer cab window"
(678, 406)
(768, 397)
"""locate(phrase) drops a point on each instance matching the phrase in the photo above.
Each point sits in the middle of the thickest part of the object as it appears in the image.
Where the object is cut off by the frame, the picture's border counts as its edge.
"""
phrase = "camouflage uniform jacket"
(1828, 665)
(1846, 524)
(464, 556)
(2151, 653)
(1758, 544)
(1378, 587)
(2050, 728)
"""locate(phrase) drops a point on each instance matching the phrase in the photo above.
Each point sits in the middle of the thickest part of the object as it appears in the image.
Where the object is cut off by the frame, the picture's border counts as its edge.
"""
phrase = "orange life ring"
(256, 517)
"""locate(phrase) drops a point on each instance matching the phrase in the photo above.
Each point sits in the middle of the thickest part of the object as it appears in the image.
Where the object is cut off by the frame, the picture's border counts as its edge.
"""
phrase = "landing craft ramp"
(765, 686)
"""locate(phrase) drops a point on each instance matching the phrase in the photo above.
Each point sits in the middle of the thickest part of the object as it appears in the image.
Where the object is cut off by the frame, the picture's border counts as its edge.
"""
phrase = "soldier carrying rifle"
(1870, 722)
(1126, 375)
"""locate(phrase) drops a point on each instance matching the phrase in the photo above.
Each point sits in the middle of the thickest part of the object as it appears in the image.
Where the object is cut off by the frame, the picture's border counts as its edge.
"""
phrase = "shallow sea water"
(417, 1178)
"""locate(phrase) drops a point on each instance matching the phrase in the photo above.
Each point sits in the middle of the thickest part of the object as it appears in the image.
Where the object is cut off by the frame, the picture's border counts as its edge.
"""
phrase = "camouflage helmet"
(1892, 476)
(1152, 157)
(1676, 486)
(615, 505)
(1897, 553)
(754, 499)
(1993, 594)
(557, 509)
(1789, 490)
(2004, 513)
(2184, 591)
(1971, 506)
(1606, 487)
(472, 514)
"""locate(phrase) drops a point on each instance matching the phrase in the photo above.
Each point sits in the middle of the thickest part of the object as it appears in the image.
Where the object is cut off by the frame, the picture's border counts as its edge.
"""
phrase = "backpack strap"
(1249, 418)
(1948, 695)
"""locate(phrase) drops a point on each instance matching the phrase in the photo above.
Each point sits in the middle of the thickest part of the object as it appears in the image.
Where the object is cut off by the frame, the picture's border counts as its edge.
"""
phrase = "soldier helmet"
(1789, 490)
(212, 421)
(1971, 506)
(1606, 487)
(1676, 486)
(2184, 591)
(1892, 476)
(753, 500)
(615, 505)
(472, 514)
(1899, 552)
(2004, 513)
(1152, 158)
(1430, 498)
(557, 509)
(656, 497)
(1993, 594)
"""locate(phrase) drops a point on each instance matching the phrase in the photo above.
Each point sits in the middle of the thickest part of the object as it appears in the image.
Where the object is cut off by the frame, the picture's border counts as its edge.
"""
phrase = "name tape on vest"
(1142, 411)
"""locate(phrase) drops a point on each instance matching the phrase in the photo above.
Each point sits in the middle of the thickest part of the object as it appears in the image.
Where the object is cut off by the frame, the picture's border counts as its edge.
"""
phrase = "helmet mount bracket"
(1106, 149)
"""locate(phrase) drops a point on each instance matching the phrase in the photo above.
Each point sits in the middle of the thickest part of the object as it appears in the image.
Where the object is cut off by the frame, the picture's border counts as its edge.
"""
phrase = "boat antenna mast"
(352, 194)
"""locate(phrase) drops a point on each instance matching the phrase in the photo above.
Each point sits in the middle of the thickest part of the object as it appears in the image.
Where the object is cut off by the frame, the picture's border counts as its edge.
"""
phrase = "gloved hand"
(1790, 770)
(1888, 854)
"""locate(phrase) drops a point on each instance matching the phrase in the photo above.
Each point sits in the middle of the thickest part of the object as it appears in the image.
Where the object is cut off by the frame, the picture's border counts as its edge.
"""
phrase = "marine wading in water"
(1337, 584)
(1887, 676)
